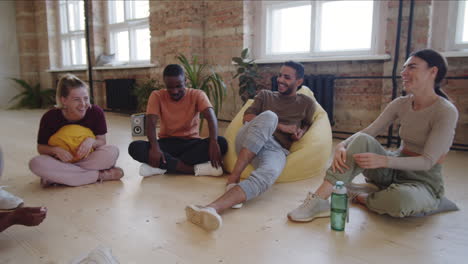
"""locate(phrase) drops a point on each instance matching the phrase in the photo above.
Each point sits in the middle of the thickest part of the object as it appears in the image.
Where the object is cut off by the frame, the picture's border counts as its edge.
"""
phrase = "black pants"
(189, 151)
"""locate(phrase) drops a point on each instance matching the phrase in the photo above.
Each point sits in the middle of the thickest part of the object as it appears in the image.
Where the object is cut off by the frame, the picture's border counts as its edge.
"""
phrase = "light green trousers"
(403, 193)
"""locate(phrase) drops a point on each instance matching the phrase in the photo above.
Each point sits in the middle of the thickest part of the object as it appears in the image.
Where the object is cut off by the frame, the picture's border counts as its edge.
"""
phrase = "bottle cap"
(339, 188)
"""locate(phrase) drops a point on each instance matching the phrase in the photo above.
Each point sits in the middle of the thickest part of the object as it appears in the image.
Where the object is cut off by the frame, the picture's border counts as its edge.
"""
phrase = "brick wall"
(215, 31)
(27, 40)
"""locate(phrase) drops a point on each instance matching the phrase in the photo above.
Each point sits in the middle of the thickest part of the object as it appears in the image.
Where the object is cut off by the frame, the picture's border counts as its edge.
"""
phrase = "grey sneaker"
(354, 189)
(312, 207)
(228, 187)
(99, 255)
(204, 217)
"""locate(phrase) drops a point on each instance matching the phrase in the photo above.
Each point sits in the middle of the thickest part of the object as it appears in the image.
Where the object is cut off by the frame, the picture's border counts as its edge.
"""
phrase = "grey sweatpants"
(403, 193)
(270, 159)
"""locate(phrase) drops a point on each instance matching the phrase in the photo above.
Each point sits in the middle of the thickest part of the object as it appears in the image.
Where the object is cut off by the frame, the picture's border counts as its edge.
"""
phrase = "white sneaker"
(8, 201)
(228, 187)
(354, 189)
(206, 169)
(312, 207)
(146, 170)
(204, 217)
(99, 255)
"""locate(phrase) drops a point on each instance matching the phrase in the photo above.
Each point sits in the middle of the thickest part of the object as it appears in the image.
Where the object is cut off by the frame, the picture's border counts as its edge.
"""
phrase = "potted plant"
(143, 90)
(32, 96)
(247, 72)
(205, 79)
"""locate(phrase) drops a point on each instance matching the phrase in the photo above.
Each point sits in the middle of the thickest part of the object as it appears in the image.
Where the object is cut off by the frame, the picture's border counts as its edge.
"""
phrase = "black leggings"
(189, 151)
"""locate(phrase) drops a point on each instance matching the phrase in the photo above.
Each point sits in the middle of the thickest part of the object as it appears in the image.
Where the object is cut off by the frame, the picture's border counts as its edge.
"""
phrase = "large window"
(460, 37)
(449, 27)
(129, 33)
(317, 28)
(72, 36)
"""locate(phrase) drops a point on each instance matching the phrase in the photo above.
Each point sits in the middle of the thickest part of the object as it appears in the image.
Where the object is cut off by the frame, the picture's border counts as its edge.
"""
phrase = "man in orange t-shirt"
(179, 148)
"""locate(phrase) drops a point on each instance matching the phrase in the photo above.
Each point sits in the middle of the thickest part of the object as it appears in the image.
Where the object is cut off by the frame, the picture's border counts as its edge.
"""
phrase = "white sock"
(146, 170)
(205, 169)
(8, 200)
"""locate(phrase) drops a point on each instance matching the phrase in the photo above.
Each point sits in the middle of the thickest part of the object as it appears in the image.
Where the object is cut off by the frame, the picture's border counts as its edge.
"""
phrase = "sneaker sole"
(202, 219)
(12, 209)
(237, 206)
(321, 215)
(145, 173)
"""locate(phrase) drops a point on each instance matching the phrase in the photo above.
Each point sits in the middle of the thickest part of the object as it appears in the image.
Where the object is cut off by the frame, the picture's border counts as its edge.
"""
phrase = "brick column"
(27, 40)
(176, 27)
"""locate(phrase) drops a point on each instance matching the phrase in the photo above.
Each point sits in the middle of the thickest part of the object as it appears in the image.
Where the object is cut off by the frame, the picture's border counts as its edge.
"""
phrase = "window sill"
(70, 69)
(453, 54)
(98, 68)
(327, 58)
(127, 66)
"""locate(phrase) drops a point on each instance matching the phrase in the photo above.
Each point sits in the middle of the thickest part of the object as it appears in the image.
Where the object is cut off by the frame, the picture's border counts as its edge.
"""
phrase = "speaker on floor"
(138, 124)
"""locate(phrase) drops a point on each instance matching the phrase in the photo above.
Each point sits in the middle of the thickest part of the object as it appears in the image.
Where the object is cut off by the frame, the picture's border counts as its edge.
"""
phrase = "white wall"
(9, 56)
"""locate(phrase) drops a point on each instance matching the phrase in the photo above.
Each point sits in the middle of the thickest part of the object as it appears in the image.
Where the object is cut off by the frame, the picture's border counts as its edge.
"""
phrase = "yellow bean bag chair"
(69, 138)
(308, 157)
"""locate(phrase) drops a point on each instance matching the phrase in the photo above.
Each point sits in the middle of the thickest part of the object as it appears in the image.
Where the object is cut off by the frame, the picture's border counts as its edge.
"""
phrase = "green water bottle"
(339, 207)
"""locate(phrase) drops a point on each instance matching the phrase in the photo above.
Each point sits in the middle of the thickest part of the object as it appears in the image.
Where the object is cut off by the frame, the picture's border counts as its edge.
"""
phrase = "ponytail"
(439, 91)
(434, 59)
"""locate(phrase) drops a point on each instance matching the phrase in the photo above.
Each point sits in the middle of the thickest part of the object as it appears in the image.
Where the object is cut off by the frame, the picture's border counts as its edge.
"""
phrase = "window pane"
(141, 8)
(346, 25)
(142, 44)
(121, 46)
(63, 18)
(71, 16)
(465, 23)
(117, 12)
(65, 52)
(78, 51)
(75, 45)
(83, 51)
(290, 29)
(81, 17)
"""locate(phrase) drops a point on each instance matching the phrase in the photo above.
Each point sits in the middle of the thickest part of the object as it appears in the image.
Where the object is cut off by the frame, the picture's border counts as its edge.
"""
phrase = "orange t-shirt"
(178, 118)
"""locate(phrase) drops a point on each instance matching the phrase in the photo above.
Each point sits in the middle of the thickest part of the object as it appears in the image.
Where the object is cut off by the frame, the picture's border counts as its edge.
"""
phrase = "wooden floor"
(143, 220)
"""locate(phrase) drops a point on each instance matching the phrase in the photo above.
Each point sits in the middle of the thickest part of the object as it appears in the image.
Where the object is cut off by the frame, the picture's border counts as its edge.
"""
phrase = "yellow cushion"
(308, 157)
(69, 138)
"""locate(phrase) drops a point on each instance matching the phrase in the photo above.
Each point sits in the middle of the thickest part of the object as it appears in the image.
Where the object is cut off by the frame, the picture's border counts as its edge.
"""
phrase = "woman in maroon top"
(54, 165)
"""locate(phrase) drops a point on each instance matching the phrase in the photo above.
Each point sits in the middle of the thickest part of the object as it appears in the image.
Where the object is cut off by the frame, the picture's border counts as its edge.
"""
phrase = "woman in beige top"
(408, 181)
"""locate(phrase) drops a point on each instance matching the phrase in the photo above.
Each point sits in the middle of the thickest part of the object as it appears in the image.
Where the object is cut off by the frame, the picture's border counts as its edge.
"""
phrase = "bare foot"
(27, 216)
(45, 183)
(112, 174)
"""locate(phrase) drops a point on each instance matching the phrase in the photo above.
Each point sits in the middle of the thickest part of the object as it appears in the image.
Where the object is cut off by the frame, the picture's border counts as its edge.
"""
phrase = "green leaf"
(201, 77)
(244, 53)
(238, 60)
(32, 96)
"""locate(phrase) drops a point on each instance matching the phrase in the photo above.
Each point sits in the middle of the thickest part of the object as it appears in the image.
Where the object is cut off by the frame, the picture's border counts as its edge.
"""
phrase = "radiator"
(119, 95)
(323, 88)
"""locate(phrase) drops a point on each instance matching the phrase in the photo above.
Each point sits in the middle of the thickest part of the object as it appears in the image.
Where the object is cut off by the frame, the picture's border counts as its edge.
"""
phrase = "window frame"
(130, 25)
(262, 48)
(67, 36)
(457, 19)
(443, 37)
